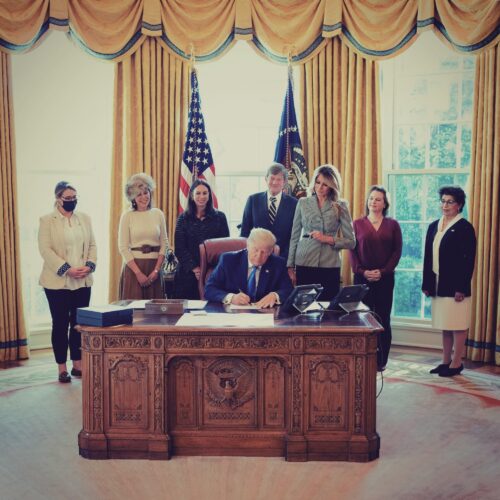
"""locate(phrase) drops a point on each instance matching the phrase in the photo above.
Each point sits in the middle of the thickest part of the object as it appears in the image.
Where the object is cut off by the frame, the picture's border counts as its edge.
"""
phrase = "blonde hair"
(332, 179)
(136, 184)
(261, 235)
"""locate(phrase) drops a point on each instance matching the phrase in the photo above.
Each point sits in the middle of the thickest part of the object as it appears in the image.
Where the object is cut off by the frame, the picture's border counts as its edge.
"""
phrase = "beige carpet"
(440, 438)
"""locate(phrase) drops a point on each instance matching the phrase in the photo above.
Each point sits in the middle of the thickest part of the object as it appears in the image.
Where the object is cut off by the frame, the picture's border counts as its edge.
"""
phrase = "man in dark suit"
(272, 209)
(253, 275)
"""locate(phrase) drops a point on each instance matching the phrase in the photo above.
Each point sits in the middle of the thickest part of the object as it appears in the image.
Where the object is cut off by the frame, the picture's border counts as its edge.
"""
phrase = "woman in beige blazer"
(67, 246)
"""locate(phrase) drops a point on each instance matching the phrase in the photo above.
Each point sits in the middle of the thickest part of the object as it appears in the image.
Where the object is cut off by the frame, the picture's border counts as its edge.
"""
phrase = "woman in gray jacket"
(322, 226)
(67, 246)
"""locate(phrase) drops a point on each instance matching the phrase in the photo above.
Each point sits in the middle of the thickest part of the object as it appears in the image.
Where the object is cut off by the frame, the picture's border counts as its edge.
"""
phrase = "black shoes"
(64, 377)
(451, 372)
(440, 368)
(76, 373)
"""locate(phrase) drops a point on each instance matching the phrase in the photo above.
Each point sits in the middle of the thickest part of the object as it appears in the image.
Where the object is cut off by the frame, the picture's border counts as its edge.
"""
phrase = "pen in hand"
(241, 300)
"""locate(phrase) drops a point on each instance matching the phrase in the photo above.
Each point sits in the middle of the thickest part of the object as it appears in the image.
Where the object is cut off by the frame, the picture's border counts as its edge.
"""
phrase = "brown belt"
(146, 249)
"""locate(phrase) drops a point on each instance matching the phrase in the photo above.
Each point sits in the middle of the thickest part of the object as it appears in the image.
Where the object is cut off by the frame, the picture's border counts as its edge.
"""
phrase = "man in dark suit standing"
(253, 275)
(272, 209)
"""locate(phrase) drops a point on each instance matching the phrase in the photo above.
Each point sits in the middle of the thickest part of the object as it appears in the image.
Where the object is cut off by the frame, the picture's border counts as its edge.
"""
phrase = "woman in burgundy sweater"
(378, 249)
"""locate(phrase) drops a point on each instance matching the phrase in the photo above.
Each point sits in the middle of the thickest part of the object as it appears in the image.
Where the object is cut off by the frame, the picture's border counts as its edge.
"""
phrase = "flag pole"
(288, 156)
(192, 61)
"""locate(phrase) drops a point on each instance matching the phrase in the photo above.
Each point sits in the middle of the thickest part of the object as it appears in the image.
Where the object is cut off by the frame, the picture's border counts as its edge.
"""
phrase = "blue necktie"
(252, 284)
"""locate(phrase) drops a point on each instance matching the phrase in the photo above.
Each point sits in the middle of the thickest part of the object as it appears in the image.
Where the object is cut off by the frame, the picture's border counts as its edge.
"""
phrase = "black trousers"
(328, 277)
(63, 305)
(379, 300)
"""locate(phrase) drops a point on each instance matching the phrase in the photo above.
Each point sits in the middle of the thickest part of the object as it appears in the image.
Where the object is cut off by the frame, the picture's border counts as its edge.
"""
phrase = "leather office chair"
(211, 250)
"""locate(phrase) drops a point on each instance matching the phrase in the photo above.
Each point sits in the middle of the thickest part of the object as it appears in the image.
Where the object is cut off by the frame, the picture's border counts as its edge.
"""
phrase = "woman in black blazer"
(450, 251)
(200, 222)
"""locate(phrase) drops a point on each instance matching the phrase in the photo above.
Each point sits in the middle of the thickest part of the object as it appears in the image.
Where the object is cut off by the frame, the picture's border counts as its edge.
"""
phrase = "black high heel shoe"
(440, 368)
(64, 378)
(451, 372)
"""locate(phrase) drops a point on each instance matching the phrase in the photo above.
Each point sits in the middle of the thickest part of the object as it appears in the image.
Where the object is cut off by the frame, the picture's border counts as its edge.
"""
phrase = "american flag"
(288, 150)
(197, 161)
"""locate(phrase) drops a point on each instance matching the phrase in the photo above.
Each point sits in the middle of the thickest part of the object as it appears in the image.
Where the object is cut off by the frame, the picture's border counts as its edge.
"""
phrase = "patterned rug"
(22, 377)
(469, 381)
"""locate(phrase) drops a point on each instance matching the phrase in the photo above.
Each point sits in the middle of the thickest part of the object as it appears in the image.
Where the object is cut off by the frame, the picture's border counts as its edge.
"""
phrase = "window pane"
(427, 307)
(465, 146)
(443, 146)
(467, 97)
(413, 245)
(407, 294)
(412, 147)
(412, 99)
(450, 62)
(469, 62)
(407, 202)
(443, 93)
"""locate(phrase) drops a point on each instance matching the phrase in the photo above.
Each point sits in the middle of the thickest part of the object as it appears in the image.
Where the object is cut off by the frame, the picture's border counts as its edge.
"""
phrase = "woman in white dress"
(450, 251)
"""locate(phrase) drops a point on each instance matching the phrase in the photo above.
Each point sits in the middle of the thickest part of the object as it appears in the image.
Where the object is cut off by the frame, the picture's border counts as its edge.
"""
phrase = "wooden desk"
(304, 390)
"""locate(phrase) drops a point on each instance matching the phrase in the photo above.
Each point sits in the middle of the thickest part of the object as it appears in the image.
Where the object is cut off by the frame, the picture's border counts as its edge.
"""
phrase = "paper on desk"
(137, 304)
(196, 304)
(241, 320)
(251, 307)
(317, 306)
(191, 304)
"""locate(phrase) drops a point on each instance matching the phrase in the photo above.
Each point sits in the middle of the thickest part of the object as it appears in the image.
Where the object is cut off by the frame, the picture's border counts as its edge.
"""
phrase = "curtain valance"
(277, 28)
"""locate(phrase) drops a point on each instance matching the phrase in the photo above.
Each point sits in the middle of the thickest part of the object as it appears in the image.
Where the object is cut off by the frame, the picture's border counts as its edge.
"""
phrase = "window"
(426, 142)
(63, 105)
(242, 98)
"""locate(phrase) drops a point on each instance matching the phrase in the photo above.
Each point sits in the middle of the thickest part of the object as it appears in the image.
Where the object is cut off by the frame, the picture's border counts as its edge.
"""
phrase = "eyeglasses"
(69, 198)
(447, 202)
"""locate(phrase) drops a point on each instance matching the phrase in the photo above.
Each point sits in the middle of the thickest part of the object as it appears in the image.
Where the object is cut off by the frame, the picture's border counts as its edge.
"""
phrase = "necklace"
(376, 221)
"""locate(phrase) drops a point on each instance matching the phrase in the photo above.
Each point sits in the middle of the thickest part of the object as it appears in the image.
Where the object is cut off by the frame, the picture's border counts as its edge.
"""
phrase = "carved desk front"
(304, 390)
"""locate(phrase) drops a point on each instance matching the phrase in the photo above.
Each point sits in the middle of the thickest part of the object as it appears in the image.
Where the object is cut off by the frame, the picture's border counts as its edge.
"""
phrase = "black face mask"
(69, 206)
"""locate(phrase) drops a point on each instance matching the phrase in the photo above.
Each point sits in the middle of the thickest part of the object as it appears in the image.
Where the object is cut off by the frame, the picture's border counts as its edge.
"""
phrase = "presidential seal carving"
(230, 383)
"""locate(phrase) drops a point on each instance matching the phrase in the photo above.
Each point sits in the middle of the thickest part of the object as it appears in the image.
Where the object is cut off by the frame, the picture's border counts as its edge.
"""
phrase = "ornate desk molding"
(303, 390)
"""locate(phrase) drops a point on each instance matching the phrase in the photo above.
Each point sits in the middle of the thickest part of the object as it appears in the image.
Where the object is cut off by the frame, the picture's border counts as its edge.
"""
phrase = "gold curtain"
(13, 342)
(339, 116)
(483, 343)
(377, 29)
(151, 100)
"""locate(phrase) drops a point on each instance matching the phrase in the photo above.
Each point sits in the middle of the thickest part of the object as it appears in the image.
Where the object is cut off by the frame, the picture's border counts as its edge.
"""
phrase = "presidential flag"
(289, 146)
(197, 161)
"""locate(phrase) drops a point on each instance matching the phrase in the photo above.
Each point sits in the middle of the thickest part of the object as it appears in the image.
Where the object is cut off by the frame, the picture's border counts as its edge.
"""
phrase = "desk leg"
(296, 449)
(160, 448)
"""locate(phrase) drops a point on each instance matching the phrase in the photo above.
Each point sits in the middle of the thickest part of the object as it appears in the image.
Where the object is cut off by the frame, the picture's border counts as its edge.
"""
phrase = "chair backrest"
(212, 249)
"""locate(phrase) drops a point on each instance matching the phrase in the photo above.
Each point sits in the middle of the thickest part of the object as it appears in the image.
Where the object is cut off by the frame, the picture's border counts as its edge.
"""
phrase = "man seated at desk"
(253, 275)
